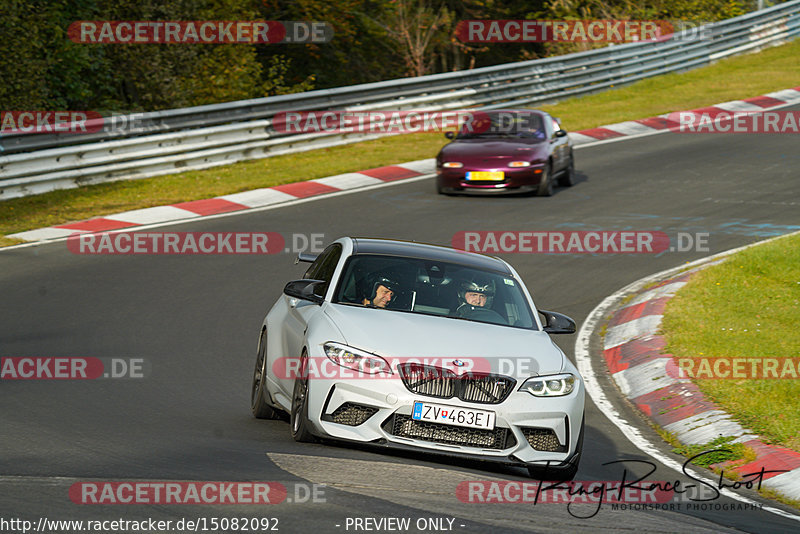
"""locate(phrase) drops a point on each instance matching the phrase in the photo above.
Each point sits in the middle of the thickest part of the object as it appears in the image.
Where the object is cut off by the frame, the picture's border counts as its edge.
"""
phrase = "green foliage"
(358, 53)
(681, 13)
(723, 450)
(39, 67)
(158, 76)
(42, 69)
(373, 40)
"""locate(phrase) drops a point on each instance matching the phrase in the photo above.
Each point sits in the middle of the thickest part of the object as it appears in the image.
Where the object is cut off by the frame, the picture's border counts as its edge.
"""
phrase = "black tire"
(567, 178)
(546, 183)
(298, 419)
(560, 473)
(258, 404)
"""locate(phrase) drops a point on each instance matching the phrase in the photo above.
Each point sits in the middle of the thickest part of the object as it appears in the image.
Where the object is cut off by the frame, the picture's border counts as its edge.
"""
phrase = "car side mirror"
(561, 133)
(557, 323)
(305, 290)
(450, 135)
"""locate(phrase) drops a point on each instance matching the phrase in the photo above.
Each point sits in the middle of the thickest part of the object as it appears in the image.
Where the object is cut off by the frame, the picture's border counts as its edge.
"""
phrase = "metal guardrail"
(170, 141)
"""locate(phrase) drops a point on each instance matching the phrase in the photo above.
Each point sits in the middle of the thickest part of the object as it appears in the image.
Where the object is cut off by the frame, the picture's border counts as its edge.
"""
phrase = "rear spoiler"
(306, 257)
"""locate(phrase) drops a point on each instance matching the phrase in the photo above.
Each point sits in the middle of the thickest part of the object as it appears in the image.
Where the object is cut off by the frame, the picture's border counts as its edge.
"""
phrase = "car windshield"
(519, 124)
(434, 288)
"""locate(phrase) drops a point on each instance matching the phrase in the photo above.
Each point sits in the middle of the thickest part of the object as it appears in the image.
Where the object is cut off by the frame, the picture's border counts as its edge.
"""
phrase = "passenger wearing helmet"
(474, 294)
(380, 291)
(475, 298)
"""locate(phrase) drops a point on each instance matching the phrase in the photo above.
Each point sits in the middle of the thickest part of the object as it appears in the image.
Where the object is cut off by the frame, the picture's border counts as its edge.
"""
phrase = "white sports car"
(421, 347)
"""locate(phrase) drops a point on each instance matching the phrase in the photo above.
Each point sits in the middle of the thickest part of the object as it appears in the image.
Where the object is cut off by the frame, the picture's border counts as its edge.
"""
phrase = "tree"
(412, 24)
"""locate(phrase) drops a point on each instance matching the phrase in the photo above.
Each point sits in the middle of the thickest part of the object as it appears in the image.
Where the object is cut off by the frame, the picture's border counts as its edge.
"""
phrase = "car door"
(559, 146)
(300, 312)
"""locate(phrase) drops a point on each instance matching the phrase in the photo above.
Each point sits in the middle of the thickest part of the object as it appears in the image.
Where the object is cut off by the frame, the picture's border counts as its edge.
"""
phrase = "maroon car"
(506, 151)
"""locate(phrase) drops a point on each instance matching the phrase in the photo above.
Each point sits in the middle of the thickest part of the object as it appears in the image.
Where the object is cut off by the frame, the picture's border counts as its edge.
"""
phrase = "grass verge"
(58, 207)
(717, 451)
(746, 307)
(739, 77)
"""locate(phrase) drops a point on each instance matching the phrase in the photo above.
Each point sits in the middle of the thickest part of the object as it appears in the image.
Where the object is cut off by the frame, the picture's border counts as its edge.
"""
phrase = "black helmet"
(373, 281)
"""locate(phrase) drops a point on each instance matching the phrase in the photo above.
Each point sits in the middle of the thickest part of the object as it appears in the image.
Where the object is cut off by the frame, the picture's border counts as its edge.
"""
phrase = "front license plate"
(491, 176)
(453, 415)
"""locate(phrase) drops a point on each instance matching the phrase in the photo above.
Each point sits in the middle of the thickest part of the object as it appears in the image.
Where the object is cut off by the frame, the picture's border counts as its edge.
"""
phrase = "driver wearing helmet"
(473, 295)
(380, 291)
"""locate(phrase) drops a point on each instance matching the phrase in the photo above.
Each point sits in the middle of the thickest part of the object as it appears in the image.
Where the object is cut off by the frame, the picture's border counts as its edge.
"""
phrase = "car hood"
(500, 149)
(393, 334)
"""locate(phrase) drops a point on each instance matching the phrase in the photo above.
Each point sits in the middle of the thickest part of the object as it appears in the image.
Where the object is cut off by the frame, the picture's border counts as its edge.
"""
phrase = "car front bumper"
(516, 180)
(542, 418)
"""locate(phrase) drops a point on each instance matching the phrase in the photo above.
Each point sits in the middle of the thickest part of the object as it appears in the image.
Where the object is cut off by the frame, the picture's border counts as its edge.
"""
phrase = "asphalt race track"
(194, 320)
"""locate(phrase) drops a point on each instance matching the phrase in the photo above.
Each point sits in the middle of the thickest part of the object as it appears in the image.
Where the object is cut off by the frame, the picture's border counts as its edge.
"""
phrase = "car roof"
(390, 247)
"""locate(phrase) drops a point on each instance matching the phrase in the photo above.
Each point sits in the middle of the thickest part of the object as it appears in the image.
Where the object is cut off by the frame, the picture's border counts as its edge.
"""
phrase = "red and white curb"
(663, 123)
(633, 352)
(257, 198)
(356, 180)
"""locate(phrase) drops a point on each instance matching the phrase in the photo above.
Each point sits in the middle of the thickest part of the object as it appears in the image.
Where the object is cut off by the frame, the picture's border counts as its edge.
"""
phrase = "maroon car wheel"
(568, 177)
(546, 183)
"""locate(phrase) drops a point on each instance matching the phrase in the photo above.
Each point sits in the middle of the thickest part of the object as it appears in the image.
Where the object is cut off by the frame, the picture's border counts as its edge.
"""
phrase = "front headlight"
(550, 386)
(358, 360)
(520, 164)
(452, 165)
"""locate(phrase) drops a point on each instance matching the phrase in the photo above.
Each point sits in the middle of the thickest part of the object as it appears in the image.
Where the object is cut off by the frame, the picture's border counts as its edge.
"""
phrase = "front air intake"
(405, 427)
(543, 439)
(441, 383)
(352, 414)
(428, 380)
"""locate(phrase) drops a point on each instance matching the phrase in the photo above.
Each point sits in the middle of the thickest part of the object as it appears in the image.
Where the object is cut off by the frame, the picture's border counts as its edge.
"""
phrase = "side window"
(314, 267)
(535, 127)
(324, 266)
(548, 124)
(556, 126)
